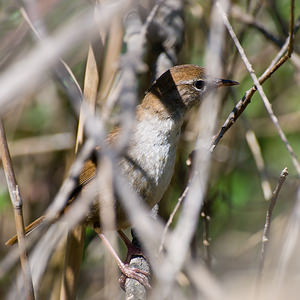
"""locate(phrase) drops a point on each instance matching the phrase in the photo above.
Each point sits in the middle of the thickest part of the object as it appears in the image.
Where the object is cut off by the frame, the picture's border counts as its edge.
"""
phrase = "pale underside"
(149, 163)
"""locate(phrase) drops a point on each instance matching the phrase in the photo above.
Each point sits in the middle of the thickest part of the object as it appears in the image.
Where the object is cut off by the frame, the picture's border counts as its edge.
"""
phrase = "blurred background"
(41, 128)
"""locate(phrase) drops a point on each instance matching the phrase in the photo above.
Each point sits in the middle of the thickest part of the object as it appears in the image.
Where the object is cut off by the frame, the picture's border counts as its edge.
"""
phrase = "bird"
(148, 163)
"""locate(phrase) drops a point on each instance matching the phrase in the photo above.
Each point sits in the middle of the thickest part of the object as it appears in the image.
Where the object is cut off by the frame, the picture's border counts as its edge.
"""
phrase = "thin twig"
(172, 215)
(16, 200)
(267, 227)
(258, 84)
(243, 103)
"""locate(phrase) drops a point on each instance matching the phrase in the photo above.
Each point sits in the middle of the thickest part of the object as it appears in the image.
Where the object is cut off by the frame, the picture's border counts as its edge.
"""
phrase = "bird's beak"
(225, 82)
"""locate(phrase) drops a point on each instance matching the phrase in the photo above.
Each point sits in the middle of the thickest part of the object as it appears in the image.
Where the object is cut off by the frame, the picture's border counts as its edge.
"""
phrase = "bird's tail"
(28, 229)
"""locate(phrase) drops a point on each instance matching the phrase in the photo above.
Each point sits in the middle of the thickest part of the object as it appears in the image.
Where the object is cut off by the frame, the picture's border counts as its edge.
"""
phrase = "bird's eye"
(199, 84)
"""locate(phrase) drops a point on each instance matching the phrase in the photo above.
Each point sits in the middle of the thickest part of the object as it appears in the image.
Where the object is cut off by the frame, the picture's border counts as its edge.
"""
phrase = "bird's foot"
(134, 273)
(128, 271)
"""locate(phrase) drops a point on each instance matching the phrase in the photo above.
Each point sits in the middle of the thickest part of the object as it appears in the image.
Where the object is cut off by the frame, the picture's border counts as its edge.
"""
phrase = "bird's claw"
(134, 273)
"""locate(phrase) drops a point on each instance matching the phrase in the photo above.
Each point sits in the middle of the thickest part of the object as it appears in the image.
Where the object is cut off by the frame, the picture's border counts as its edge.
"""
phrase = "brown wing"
(90, 167)
(88, 173)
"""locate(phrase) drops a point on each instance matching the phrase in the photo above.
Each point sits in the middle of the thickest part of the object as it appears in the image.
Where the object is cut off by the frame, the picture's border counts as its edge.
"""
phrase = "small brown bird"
(150, 158)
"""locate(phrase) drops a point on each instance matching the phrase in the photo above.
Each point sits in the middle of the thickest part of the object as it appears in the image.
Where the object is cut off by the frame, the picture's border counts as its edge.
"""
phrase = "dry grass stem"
(171, 218)
(17, 204)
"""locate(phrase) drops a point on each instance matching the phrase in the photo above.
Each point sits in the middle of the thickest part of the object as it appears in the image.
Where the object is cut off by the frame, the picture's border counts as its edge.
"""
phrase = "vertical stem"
(73, 257)
(16, 200)
(75, 240)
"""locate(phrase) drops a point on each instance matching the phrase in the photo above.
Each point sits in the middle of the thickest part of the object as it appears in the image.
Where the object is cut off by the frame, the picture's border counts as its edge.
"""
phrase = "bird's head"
(183, 86)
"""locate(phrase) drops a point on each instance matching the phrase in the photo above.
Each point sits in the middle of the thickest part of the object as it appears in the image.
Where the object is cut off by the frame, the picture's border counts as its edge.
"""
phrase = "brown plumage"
(150, 158)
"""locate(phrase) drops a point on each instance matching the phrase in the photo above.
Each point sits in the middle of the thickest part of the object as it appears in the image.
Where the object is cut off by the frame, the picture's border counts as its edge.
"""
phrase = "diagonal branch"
(243, 103)
(258, 82)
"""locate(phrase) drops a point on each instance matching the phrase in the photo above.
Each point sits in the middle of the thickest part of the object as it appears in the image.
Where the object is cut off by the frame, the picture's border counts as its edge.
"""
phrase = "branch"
(258, 82)
(243, 103)
(172, 215)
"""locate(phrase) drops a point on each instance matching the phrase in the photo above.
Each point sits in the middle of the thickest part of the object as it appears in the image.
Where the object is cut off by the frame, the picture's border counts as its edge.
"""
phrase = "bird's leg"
(133, 250)
(126, 270)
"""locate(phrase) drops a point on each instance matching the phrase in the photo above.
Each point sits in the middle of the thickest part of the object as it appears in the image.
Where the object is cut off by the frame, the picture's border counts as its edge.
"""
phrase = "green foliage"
(4, 200)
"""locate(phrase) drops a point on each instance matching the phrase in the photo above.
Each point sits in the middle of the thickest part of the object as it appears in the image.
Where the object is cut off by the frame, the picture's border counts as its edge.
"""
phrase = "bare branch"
(258, 84)
(243, 103)
(172, 215)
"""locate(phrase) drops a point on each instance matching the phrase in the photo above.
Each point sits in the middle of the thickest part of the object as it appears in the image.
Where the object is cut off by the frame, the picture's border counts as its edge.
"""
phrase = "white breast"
(154, 151)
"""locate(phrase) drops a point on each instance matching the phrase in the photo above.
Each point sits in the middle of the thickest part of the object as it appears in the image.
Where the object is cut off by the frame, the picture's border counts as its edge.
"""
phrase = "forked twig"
(275, 64)
(258, 82)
